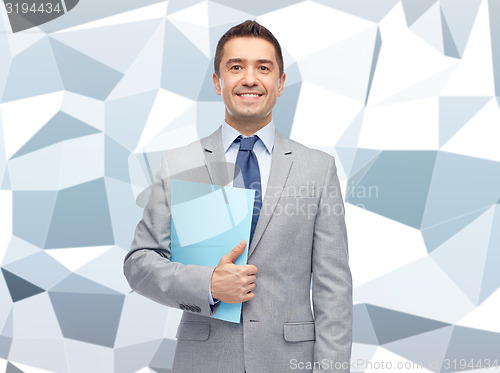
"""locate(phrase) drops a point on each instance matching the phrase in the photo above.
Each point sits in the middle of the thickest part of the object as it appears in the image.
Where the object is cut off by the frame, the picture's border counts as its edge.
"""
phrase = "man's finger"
(248, 296)
(250, 279)
(234, 253)
(250, 269)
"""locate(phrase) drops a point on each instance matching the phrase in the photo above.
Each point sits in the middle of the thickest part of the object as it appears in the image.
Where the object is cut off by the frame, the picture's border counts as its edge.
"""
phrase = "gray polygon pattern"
(494, 7)
(18, 287)
(125, 80)
(363, 8)
(391, 326)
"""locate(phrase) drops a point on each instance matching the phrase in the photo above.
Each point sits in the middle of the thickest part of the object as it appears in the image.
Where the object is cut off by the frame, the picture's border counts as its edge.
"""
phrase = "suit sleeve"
(147, 265)
(332, 282)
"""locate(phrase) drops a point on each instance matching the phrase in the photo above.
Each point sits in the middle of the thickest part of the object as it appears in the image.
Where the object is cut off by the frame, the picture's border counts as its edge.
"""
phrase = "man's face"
(249, 81)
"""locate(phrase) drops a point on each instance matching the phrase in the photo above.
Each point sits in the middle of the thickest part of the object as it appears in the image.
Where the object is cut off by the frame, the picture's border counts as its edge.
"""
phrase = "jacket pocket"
(193, 331)
(299, 331)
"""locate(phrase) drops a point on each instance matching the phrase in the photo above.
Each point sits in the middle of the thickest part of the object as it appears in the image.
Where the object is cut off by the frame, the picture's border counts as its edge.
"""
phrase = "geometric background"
(404, 93)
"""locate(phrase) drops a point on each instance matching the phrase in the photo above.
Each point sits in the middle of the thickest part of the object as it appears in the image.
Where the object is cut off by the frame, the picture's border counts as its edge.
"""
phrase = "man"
(298, 235)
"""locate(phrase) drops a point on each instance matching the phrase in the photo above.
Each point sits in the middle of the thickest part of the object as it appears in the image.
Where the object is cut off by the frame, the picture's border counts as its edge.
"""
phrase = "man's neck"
(248, 128)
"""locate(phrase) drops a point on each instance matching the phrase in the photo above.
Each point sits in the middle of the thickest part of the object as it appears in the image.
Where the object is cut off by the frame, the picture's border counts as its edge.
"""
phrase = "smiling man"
(250, 79)
(298, 234)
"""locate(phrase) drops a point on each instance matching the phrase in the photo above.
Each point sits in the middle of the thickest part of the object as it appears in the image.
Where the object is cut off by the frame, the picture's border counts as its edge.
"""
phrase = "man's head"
(248, 29)
(248, 75)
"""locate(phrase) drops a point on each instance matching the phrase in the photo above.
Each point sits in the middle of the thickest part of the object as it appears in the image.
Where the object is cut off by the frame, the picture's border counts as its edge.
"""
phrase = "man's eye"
(236, 67)
(264, 68)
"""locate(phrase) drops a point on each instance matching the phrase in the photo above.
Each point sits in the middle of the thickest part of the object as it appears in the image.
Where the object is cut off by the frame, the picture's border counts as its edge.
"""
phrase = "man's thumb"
(236, 252)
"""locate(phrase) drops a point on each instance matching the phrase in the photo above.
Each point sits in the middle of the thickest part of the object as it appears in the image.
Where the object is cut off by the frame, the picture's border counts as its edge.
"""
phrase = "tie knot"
(247, 143)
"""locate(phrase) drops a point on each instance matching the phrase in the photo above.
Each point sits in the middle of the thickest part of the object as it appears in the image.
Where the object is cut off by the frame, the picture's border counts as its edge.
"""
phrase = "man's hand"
(232, 283)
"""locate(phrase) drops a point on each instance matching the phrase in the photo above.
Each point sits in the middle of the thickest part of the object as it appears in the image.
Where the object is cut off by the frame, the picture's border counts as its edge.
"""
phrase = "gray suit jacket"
(300, 236)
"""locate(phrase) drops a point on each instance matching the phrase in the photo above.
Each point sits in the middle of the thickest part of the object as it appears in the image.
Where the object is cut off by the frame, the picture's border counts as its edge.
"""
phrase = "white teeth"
(249, 95)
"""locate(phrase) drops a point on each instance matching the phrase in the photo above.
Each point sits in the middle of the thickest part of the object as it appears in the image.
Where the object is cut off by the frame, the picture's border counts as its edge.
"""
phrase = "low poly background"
(404, 93)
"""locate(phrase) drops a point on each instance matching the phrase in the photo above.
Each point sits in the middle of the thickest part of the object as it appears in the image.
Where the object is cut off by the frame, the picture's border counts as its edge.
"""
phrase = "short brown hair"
(246, 29)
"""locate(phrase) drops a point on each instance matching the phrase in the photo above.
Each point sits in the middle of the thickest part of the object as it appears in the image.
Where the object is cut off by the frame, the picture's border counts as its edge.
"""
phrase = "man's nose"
(250, 78)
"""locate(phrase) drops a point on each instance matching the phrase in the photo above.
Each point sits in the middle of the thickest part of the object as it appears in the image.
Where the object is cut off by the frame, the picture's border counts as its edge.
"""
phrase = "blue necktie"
(250, 174)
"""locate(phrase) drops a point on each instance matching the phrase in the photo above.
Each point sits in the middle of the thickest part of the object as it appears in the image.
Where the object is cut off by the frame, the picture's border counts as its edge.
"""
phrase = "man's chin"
(250, 117)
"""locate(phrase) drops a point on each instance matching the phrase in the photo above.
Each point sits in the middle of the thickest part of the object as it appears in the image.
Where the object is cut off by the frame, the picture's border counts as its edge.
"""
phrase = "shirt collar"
(266, 135)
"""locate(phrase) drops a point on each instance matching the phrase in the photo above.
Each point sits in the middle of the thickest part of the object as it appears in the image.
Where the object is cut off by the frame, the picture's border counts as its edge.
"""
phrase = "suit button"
(197, 309)
(190, 308)
(182, 307)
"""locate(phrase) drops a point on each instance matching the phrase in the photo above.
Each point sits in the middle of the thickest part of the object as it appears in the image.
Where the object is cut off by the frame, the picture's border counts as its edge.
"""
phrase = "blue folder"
(207, 222)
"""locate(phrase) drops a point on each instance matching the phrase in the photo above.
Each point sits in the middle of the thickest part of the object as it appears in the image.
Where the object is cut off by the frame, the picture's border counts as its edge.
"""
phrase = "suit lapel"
(215, 160)
(280, 168)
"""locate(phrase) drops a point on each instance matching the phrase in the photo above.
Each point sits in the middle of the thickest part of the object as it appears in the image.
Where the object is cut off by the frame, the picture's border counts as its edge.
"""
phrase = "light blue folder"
(208, 221)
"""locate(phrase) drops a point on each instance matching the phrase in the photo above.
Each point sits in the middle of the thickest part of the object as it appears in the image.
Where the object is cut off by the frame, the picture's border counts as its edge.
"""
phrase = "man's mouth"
(248, 94)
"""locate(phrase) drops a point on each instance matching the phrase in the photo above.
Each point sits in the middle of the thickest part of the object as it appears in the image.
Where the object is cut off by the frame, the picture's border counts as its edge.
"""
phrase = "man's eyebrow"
(263, 60)
(234, 60)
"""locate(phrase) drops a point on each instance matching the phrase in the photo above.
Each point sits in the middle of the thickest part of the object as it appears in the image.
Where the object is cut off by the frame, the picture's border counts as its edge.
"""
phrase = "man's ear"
(281, 84)
(216, 84)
